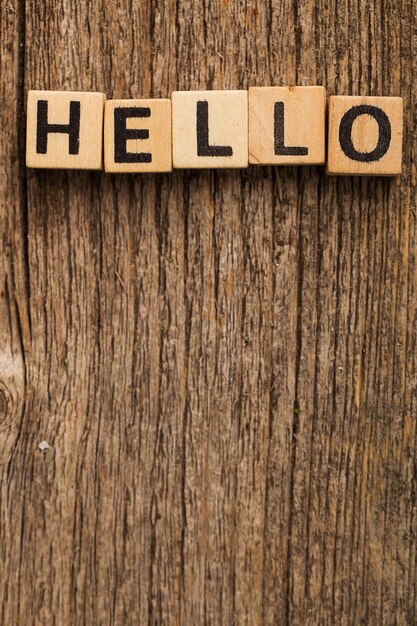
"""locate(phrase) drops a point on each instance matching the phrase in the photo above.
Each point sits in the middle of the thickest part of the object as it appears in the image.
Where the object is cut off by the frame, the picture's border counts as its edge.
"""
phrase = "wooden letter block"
(365, 135)
(65, 130)
(287, 125)
(210, 129)
(137, 136)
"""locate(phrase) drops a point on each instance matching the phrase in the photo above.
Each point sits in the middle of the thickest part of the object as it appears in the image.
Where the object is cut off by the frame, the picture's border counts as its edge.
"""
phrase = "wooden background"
(223, 363)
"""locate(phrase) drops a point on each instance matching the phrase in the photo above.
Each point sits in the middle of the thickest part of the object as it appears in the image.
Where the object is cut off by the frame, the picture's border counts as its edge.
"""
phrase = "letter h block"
(365, 135)
(64, 130)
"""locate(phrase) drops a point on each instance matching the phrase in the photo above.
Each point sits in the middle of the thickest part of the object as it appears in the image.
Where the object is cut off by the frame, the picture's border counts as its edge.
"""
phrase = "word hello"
(215, 129)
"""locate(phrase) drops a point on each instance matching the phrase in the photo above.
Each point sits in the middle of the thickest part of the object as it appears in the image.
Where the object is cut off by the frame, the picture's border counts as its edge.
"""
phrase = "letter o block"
(64, 130)
(137, 136)
(365, 135)
(210, 129)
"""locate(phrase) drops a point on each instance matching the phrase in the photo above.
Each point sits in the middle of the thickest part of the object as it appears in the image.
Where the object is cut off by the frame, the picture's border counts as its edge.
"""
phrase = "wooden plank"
(222, 363)
(14, 313)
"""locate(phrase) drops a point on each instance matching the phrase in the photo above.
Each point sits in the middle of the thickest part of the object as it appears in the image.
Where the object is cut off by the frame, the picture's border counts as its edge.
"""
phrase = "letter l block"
(64, 130)
(210, 129)
(287, 125)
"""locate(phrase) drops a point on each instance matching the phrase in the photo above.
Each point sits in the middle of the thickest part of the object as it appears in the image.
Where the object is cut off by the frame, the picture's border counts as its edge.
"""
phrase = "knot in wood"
(4, 403)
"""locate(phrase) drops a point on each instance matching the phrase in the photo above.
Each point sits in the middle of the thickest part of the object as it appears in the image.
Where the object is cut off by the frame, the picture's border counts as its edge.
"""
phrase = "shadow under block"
(64, 130)
(287, 125)
(365, 135)
(210, 129)
(138, 136)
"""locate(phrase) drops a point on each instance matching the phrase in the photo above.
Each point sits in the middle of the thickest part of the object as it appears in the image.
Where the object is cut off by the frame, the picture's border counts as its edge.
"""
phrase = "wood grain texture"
(222, 363)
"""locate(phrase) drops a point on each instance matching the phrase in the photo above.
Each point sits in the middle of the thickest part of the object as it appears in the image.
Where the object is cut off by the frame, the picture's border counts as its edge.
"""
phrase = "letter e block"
(64, 130)
(287, 125)
(365, 135)
(210, 129)
(137, 136)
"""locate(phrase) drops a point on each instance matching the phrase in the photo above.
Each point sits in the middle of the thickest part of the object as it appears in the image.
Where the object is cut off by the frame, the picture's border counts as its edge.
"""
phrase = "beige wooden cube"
(365, 135)
(137, 136)
(287, 125)
(65, 130)
(210, 129)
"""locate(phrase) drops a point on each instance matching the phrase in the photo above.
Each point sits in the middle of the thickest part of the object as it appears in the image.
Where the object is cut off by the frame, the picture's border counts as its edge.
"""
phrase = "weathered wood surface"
(224, 364)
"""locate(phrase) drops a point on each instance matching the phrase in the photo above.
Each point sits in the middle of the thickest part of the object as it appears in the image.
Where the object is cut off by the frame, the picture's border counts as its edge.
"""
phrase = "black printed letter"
(345, 133)
(122, 134)
(279, 144)
(43, 128)
(203, 146)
